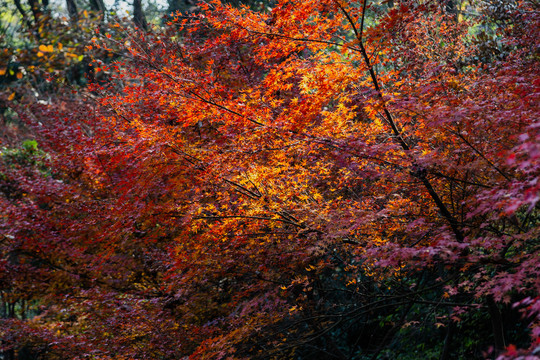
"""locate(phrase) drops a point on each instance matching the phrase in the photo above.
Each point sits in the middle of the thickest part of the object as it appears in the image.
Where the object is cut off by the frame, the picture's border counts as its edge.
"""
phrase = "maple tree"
(327, 179)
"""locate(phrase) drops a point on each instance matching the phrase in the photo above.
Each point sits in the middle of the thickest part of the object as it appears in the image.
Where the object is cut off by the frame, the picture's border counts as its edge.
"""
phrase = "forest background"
(269, 179)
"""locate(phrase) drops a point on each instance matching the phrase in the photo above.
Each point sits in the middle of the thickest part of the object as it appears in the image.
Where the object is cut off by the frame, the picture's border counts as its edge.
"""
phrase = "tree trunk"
(35, 7)
(496, 323)
(445, 355)
(98, 6)
(138, 15)
(72, 10)
(23, 13)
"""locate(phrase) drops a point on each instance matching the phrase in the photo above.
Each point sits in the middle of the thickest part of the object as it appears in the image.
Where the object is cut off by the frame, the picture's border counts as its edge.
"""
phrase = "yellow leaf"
(46, 48)
(11, 97)
(60, 46)
(40, 54)
(85, 13)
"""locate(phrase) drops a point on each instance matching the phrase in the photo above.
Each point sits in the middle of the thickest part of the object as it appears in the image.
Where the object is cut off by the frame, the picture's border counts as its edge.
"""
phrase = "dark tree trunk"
(72, 10)
(496, 324)
(23, 13)
(138, 15)
(97, 5)
(35, 7)
(445, 355)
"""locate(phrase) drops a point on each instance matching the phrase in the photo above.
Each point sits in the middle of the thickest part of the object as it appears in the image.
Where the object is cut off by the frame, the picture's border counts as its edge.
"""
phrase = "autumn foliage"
(326, 179)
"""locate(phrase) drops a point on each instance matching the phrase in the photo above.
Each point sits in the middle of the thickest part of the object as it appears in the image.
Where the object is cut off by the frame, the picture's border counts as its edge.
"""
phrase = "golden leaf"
(45, 48)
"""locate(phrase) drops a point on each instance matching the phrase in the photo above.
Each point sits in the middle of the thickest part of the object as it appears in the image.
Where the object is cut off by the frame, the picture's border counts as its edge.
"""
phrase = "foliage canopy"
(326, 179)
